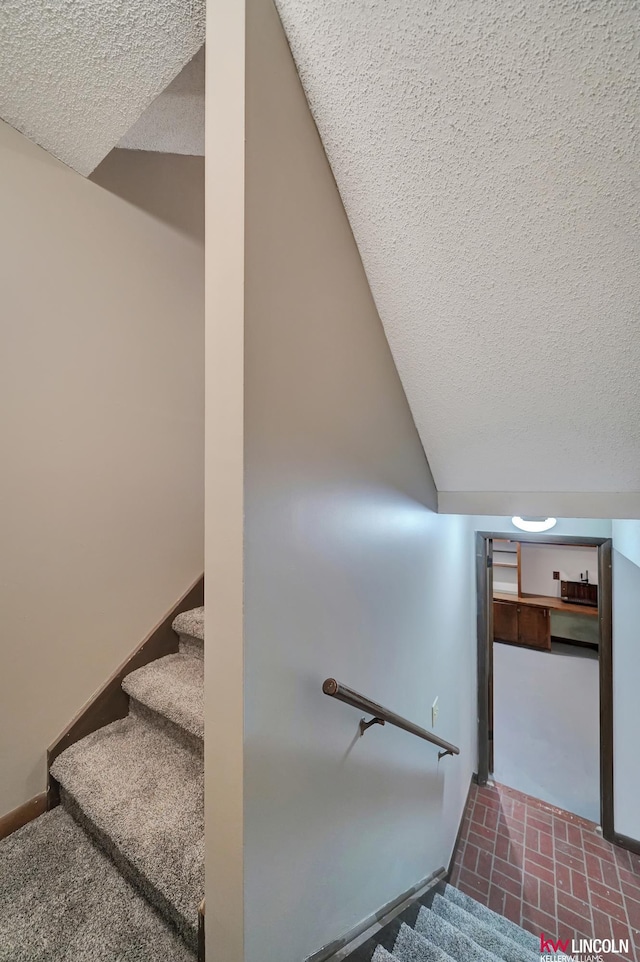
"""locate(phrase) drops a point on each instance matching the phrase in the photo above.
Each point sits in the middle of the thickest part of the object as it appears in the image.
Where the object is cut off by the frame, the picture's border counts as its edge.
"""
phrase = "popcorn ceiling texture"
(487, 155)
(74, 77)
(174, 122)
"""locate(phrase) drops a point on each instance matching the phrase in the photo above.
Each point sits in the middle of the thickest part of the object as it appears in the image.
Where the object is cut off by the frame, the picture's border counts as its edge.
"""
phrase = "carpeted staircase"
(449, 926)
(116, 872)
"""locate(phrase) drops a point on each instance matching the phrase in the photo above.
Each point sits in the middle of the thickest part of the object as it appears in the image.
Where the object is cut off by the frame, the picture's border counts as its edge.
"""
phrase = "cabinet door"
(505, 621)
(533, 627)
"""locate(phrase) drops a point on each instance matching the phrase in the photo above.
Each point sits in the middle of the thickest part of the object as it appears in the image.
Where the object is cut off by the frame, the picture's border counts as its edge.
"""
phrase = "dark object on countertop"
(579, 593)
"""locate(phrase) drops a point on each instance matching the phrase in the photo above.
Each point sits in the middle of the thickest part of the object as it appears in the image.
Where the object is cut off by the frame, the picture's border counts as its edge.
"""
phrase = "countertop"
(540, 601)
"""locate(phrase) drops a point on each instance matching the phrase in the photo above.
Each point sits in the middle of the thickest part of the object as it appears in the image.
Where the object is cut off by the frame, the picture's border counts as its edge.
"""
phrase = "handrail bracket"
(367, 724)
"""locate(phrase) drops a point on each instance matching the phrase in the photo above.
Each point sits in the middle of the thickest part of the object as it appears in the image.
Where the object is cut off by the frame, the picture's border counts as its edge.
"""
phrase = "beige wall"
(101, 422)
(224, 452)
(348, 570)
(167, 186)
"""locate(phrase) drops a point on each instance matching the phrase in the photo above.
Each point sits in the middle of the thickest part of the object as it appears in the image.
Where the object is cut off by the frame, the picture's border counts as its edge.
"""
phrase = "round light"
(534, 524)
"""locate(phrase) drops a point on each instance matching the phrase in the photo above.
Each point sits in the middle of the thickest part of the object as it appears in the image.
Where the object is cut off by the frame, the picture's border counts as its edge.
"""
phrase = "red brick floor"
(547, 870)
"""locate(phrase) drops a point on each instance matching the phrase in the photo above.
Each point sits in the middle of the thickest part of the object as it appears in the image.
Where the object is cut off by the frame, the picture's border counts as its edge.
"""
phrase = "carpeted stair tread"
(489, 917)
(190, 623)
(484, 935)
(173, 687)
(381, 955)
(139, 790)
(410, 946)
(62, 899)
(450, 939)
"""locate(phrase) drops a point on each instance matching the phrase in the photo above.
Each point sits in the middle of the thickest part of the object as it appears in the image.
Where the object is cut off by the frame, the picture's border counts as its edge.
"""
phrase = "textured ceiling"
(76, 74)
(174, 122)
(487, 155)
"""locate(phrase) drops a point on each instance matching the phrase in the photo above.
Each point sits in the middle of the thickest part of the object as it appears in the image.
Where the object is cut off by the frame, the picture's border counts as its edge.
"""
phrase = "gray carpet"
(437, 928)
(117, 873)
(173, 687)
(486, 936)
(454, 942)
(190, 627)
(412, 947)
(381, 955)
(190, 623)
(508, 928)
(62, 899)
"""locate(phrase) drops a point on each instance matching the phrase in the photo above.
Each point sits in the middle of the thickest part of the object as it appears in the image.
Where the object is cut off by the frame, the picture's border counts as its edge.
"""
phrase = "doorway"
(527, 628)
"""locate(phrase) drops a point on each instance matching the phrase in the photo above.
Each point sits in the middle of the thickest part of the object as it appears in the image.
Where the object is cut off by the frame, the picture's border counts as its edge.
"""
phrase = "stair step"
(489, 917)
(62, 898)
(190, 626)
(410, 946)
(450, 939)
(435, 928)
(173, 687)
(484, 935)
(139, 789)
(381, 955)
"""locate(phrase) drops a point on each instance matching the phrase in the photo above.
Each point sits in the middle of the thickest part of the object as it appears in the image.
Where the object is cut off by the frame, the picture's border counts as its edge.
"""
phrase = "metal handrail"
(381, 715)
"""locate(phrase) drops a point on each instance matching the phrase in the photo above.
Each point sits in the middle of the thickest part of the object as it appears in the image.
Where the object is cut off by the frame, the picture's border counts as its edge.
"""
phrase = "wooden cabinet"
(533, 627)
(505, 621)
(521, 624)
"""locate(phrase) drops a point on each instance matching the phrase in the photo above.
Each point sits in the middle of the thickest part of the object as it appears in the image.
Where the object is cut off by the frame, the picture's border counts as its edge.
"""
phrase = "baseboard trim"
(339, 949)
(22, 815)
(110, 702)
(572, 641)
(625, 841)
(456, 845)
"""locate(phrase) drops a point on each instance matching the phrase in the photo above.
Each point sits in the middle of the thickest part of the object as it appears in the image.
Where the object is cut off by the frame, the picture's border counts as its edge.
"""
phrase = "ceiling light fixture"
(533, 524)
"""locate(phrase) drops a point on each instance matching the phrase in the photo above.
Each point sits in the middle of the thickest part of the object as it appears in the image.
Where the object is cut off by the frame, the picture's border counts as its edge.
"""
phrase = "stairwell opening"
(544, 679)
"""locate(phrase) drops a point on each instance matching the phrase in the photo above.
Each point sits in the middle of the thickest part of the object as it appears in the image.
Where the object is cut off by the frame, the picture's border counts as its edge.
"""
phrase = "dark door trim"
(484, 580)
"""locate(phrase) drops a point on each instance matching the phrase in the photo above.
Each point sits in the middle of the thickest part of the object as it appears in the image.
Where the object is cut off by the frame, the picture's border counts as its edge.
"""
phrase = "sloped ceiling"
(488, 158)
(76, 74)
(174, 122)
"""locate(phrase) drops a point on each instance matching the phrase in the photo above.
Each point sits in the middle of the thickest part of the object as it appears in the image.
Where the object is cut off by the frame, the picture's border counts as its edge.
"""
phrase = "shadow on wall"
(170, 187)
(385, 800)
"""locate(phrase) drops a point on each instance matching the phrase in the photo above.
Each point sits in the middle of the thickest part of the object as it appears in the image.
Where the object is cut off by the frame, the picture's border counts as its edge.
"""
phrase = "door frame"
(484, 581)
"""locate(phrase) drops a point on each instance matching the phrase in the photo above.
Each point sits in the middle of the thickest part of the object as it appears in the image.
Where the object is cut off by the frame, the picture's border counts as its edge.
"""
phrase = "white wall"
(348, 569)
(349, 572)
(380, 595)
(626, 670)
(546, 726)
(539, 561)
(101, 421)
